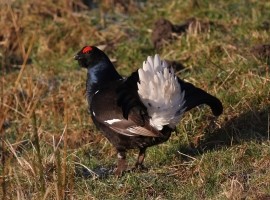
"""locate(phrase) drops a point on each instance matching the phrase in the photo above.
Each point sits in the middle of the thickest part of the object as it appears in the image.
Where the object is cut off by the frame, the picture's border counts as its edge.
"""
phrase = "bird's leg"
(139, 164)
(121, 165)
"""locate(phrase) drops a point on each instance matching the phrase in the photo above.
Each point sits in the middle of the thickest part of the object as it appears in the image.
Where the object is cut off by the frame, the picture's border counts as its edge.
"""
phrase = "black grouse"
(141, 110)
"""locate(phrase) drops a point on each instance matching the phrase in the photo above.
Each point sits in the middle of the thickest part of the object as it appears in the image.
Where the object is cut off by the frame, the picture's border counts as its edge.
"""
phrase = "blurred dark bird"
(141, 110)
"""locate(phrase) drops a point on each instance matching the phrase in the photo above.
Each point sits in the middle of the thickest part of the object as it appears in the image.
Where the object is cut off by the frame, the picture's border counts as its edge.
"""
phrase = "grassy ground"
(46, 133)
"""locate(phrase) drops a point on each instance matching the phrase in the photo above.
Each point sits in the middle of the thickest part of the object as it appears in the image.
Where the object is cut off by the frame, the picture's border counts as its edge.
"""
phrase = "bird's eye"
(87, 49)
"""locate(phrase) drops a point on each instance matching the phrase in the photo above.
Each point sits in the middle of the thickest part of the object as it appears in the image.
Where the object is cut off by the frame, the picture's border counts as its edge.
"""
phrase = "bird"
(141, 110)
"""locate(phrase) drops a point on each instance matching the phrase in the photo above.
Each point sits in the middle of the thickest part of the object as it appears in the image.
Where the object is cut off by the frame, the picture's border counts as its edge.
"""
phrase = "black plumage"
(117, 110)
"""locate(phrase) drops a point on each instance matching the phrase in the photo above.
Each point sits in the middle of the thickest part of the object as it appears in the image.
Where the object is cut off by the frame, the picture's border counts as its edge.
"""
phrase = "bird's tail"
(161, 93)
(195, 96)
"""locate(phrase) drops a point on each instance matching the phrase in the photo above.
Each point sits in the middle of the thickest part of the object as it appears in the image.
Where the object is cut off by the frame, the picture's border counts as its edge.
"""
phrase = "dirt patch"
(265, 25)
(261, 51)
(162, 32)
(176, 65)
(165, 31)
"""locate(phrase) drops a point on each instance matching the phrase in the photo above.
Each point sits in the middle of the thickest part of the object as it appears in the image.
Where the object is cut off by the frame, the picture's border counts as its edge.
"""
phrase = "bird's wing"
(129, 128)
(108, 110)
(127, 96)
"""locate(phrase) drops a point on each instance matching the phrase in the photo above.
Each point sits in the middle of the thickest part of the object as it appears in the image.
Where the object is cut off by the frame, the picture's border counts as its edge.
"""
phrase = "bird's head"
(99, 67)
(89, 56)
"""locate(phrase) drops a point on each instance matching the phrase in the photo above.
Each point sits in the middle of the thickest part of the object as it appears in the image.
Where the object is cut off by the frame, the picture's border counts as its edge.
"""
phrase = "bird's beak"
(77, 57)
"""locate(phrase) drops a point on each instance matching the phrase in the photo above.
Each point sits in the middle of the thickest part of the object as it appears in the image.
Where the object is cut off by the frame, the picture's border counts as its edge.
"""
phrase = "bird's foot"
(120, 169)
(139, 168)
(118, 172)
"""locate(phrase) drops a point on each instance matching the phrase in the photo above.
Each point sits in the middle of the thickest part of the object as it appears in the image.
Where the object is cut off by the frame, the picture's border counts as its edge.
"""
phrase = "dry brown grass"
(45, 128)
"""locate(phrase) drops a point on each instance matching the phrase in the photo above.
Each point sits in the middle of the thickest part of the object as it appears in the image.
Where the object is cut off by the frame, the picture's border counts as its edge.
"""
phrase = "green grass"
(228, 158)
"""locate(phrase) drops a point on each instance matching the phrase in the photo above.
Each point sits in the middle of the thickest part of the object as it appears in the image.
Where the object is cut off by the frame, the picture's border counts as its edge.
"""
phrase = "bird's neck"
(99, 76)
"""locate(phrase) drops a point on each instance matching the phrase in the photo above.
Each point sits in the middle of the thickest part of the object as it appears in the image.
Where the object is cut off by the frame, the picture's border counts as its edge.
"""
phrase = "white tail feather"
(161, 93)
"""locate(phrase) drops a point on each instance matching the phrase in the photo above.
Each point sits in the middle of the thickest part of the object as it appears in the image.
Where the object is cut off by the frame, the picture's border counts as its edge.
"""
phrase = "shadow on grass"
(249, 126)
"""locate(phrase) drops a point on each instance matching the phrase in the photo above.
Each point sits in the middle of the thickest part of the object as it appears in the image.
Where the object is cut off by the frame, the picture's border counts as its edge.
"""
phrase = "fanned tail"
(160, 92)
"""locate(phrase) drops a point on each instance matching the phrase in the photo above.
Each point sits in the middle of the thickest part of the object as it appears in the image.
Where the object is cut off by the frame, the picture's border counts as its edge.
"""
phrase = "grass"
(46, 132)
